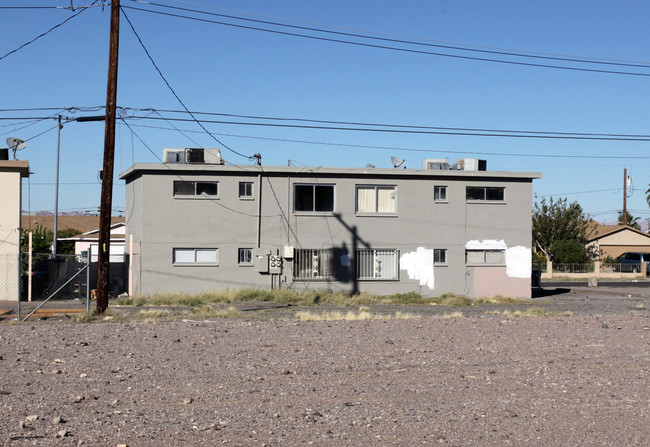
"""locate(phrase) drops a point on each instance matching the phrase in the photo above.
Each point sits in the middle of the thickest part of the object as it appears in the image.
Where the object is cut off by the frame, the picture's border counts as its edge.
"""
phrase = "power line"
(406, 50)
(174, 93)
(450, 131)
(46, 32)
(510, 50)
(406, 149)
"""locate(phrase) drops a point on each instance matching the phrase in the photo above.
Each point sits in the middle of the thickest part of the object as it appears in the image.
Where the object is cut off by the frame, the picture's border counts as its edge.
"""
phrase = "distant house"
(90, 241)
(614, 240)
(11, 174)
(200, 225)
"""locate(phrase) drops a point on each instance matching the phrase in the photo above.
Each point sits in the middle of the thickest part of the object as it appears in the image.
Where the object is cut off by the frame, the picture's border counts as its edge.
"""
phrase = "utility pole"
(56, 192)
(107, 171)
(625, 196)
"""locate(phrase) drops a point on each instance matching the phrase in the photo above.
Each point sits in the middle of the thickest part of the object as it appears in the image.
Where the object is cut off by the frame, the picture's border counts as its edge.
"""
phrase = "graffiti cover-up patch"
(419, 265)
(518, 258)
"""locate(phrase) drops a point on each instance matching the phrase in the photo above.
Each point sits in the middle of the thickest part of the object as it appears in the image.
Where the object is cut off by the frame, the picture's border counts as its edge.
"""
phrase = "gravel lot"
(474, 381)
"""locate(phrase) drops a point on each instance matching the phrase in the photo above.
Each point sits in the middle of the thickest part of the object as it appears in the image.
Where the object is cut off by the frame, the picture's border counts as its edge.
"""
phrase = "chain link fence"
(9, 276)
(55, 277)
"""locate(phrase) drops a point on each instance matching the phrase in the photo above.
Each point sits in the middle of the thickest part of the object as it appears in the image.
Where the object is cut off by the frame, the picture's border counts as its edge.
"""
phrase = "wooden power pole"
(107, 171)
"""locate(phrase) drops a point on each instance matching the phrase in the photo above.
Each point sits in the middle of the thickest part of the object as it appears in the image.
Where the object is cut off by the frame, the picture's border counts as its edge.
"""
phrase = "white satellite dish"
(16, 144)
(397, 162)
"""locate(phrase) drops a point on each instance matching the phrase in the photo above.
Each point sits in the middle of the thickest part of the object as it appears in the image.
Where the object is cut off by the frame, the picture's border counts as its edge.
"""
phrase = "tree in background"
(560, 230)
(631, 221)
(647, 196)
(43, 238)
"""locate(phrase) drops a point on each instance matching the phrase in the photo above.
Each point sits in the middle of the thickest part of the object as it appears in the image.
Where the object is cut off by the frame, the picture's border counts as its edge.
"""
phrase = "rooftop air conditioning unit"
(471, 164)
(436, 164)
(173, 156)
(206, 156)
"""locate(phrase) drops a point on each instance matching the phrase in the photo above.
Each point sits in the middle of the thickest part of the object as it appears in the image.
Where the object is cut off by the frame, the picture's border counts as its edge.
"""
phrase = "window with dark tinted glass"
(313, 198)
(485, 193)
(245, 189)
(184, 188)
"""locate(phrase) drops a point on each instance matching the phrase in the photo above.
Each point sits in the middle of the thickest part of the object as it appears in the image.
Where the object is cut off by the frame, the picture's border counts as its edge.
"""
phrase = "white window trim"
(196, 196)
(252, 196)
(446, 199)
(374, 213)
(244, 264)
(195, 264)
(440, 264)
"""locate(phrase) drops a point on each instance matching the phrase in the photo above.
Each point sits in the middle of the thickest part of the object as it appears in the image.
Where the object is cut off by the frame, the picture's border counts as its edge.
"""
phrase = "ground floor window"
(377, 264)
(313, 264)
(439, 256)
(245, 256)
(185, 256)
(489, 257)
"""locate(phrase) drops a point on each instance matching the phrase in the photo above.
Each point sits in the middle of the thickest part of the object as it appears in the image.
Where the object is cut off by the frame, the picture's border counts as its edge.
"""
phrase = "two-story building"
(195, 224)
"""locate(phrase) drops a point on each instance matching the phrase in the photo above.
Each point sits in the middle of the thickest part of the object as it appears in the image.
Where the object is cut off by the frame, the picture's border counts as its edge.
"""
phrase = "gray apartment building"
(195, 224)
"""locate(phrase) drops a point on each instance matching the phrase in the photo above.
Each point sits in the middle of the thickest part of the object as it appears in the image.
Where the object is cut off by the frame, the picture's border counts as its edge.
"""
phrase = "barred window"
(377, 264)
(313, 264)
(245, 256)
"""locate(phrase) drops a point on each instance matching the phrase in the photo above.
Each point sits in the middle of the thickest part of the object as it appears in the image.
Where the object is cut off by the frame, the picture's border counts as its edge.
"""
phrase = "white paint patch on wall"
(518, 262)
(419, 265)
(518, 258)
(487, 244)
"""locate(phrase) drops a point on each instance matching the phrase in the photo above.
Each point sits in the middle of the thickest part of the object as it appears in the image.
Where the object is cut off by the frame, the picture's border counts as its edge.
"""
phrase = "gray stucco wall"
(160, 222)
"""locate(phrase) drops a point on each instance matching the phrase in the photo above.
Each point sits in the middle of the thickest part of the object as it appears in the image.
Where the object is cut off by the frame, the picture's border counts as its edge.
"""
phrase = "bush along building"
(195, 224)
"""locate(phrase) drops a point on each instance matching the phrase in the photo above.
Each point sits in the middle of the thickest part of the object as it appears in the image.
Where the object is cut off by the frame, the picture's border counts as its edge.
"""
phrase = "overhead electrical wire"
(386, 47)
(450, 131)
(174, 92)
(466, 45)
(46, 32)
(406, 149)
(413, 42)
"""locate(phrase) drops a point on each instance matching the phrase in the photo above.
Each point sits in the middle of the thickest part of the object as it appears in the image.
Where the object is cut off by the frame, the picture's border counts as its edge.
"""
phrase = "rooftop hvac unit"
(471, 164)
(173, 156)
(206, 156)
(436, 164)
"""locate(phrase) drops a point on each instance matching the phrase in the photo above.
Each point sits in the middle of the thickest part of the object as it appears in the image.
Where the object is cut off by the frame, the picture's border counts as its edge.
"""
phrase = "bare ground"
(479, 380)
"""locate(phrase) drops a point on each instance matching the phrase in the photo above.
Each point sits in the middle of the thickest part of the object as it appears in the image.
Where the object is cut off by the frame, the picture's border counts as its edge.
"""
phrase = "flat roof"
(301, 171)
(15, 166)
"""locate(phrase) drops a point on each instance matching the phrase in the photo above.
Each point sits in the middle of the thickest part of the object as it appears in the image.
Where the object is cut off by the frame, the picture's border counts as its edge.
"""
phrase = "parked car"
(631, 262)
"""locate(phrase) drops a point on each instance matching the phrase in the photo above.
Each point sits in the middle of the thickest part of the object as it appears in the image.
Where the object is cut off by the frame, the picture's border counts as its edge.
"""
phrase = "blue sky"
(223, 69)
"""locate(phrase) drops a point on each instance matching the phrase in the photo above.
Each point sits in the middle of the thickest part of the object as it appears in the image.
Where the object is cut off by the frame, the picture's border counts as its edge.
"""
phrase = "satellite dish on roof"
(398, 162)
(16, 144)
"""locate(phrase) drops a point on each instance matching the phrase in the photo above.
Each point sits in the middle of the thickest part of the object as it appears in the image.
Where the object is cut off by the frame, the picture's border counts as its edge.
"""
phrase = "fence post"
(597, 269)
(88, 253)
(29, 267)
(549, 268)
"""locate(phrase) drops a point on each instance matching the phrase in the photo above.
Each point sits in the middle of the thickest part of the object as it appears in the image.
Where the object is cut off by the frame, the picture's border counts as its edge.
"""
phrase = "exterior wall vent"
(173, 156)
(206, 156)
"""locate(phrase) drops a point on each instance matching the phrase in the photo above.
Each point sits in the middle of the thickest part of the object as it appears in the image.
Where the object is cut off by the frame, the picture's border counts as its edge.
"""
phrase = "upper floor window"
(485, 193)
(184, 188)
(440, 193)
(376, 199)
(245, 190)
(195, 256)
(313, 198)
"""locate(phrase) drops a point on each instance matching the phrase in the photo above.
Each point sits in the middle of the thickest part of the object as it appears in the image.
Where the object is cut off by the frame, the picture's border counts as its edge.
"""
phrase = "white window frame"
(491, 257)
(245, 257)
(485, 194)
(195, 256)
(313, 264)
(246, 196)
(371, 259)
(195, 187)
(376, 201)
(437, 188)
(313, 197)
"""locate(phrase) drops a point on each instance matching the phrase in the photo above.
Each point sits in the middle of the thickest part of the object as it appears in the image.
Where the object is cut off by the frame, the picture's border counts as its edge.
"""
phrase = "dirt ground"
(483, 379)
